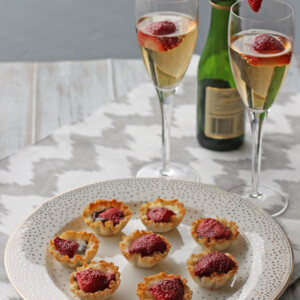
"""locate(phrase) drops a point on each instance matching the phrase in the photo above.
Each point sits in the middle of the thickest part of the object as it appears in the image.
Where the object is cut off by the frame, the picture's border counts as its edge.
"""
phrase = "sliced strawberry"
(149, 42)
(255, 4)
(161, 28)
(147, 244)
(280, 60)
(65, 247)
(213, 262)
(267, 44)
(169, 289)
(212, 228)
(91, 281)
(112, 214)
(154, 36)
(155, 43)
(160, 214)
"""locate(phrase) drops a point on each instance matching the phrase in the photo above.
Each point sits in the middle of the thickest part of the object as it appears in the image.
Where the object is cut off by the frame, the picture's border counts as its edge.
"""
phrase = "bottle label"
(224, 113)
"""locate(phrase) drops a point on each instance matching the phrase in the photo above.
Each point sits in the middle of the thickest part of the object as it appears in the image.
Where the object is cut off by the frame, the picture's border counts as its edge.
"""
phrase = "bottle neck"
(219, 20)
(215, 51)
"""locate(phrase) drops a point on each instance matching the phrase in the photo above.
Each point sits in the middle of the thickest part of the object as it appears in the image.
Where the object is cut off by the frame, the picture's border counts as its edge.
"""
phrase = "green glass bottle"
(220, 110)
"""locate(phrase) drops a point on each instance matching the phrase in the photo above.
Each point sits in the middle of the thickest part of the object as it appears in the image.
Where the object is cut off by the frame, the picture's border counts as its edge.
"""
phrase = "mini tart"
(174, 205)
(215, 280)
(143, 292)
(136, 258)
(107, 228)
(76, 236)
(214, 244)
(100, 295)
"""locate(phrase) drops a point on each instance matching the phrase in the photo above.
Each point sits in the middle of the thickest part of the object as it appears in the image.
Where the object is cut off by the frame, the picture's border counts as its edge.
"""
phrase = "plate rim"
(23, 220)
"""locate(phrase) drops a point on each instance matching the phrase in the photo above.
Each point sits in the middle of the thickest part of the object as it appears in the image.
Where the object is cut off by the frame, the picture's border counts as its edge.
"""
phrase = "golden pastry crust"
(136, 258)
(76, 236)
(100, 295)
(108, 228)
(215, 244)
(174, 205)
(215, 280)
(143, 292)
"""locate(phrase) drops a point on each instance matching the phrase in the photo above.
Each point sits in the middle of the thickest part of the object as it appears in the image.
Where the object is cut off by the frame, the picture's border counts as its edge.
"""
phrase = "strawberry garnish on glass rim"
(255, 4)
(156, 36)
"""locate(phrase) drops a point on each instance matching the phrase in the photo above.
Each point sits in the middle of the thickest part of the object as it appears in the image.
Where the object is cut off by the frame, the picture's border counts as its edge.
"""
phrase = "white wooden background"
(37, 98)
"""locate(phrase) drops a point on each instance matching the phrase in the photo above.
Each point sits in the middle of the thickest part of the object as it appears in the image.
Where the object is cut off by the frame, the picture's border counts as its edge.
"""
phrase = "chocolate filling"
(81, 249)
(112, 214)
(96, 214)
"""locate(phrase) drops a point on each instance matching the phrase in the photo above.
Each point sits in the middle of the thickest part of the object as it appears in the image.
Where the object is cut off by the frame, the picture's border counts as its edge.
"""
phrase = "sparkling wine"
(167, 56)
(259, 74)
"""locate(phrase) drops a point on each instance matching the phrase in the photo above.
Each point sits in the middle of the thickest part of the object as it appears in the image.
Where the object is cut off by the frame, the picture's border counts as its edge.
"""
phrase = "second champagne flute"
(260, 48)
(167, 33)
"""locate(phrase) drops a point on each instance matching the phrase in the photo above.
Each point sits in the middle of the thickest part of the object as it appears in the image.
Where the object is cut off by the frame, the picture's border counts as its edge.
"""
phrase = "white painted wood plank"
(16, 99)
(69, 91)
(128, 73)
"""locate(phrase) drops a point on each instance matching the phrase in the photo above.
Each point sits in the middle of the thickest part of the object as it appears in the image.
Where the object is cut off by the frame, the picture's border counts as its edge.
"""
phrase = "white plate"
(263, 251)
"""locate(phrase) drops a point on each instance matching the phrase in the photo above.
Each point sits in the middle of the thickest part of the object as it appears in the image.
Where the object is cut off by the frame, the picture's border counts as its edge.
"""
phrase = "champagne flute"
(260, 48)
(166, 33)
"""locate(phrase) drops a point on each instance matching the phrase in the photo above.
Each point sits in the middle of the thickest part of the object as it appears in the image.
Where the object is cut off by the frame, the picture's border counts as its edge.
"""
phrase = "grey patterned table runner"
(122, 136)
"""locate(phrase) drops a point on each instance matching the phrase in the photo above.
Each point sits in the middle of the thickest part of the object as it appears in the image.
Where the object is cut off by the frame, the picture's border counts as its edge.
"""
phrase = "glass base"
(175, 171)
(269, 199)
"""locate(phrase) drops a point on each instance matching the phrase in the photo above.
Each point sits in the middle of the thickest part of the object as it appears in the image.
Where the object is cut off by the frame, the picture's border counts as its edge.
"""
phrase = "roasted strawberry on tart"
(164, 286)
(74, 248)
(162, 215)
(107, 217)
(212, 269)
(214, 234)
(144, 249)
(95, 281)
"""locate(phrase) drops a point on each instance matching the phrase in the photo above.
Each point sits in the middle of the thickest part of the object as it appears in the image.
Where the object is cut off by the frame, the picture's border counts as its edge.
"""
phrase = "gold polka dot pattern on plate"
(262, 249)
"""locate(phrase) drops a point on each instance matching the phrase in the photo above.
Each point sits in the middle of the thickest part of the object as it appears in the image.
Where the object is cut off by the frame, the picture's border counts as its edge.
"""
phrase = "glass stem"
(256, 120)
(166, 99)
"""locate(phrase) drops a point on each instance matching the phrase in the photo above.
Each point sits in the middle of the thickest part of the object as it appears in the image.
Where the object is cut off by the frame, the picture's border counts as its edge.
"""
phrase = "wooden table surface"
(37, 98)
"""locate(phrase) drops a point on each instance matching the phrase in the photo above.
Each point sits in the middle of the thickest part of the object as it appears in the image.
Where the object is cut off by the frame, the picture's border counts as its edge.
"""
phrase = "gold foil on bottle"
(218, 6)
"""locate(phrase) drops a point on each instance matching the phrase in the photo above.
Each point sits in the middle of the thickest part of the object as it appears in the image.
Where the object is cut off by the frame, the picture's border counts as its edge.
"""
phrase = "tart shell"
(136, 258)
(100, 295)
(143, 287)
(173, 205)
(215, 280)
(108, 228)
(77, 260)
(214, 244)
